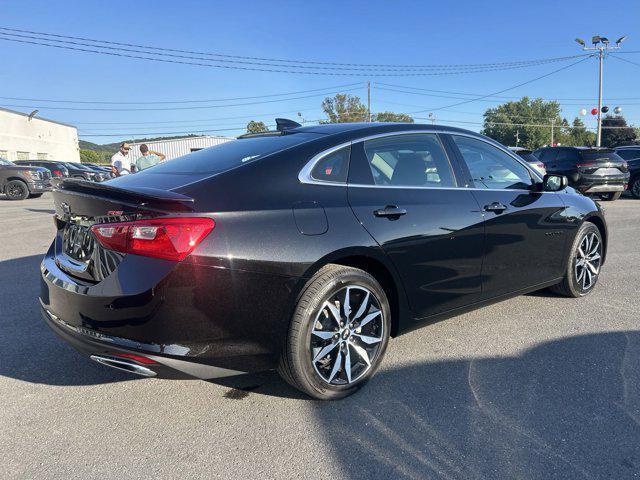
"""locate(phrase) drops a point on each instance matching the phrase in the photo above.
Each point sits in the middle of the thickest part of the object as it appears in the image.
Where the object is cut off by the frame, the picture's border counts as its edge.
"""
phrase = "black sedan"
(306, 249)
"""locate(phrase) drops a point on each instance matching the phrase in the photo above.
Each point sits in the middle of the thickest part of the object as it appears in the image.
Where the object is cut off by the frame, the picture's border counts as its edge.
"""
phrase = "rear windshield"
(230, 154)
(601, 155)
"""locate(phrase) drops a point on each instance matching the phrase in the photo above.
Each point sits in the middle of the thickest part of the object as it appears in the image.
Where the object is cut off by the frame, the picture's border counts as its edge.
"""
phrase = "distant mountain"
(113, 147)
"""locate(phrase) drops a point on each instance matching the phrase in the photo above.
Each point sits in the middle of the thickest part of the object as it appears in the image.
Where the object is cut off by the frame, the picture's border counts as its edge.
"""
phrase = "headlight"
(34, 174)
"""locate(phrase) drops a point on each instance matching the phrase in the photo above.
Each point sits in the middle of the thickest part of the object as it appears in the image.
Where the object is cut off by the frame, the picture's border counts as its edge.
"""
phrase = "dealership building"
(29, 137)
(177, 147)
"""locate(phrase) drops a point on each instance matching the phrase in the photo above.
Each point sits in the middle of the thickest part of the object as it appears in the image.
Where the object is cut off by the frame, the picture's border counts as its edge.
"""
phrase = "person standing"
(119, 160)
(149, 158)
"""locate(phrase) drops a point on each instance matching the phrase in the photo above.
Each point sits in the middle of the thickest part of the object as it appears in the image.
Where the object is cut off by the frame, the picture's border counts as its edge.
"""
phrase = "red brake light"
(585, 164)
(57, 173)
(137, 358)
(168, 238)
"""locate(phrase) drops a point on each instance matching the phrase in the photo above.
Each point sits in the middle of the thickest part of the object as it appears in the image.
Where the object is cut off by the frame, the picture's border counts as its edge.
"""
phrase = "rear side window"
(629, 154)
(333, 167)
(490, 167)
(229, 155)
(417, 160)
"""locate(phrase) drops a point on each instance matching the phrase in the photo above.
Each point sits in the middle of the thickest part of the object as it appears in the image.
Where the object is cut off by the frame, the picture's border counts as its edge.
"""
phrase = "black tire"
(634, 188)
(35, 195)
(296, 363)
(16, 190)
(571, 286)
(611, 196)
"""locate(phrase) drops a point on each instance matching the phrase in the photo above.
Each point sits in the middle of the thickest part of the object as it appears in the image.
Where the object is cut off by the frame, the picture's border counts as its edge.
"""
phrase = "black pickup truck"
(19, 182)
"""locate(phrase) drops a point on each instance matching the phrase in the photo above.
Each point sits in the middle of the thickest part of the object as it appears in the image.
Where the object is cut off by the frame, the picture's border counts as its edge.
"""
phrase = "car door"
(403, 188)
(525, 233)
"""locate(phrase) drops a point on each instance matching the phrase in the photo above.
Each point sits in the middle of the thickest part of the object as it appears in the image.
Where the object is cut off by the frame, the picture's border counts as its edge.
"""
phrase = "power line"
(164, 109)
(507, 89)
(92, 49)
(478, 94)
(99, 102)
(263, 59)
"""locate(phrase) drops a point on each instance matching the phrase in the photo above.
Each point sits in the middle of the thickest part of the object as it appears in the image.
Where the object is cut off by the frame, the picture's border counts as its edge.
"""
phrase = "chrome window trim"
(305, 174)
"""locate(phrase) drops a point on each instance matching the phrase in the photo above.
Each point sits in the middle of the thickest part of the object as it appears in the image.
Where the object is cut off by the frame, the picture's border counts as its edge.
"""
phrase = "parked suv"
(632, 156)
(57, 169)
(18, 182)
(590, 170)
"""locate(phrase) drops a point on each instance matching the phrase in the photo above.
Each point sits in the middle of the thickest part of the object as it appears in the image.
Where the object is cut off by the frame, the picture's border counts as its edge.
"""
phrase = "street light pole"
(601, 44)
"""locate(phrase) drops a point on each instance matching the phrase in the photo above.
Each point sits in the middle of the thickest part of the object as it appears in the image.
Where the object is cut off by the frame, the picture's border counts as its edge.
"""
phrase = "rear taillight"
(168, 238)
(136, 358)
(57, 173)
(585, 165)
(540, 165)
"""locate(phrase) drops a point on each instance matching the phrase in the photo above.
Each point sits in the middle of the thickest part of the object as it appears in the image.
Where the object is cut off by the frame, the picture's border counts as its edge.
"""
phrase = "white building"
(26, 138)
(177, 147)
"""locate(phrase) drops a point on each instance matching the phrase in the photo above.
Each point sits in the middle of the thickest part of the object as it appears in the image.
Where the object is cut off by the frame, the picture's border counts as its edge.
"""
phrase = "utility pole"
(601, 45)
(517, 137)
(369, 102)
(553, 122)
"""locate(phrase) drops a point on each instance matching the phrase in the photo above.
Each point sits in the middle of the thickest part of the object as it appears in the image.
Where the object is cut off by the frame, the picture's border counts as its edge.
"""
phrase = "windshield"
(230, 154)
(4, 161)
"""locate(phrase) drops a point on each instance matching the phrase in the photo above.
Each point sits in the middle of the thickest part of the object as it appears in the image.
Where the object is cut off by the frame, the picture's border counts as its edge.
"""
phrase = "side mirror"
(554, 183)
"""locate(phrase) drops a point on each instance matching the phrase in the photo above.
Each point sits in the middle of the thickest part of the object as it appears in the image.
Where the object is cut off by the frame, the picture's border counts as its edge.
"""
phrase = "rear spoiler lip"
(144, 196)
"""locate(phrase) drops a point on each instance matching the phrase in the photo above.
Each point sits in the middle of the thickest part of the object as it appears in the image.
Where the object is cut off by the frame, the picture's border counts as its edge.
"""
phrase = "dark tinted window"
(229, 155)
(600, 155)
(568, 155)
(490, 167)
(629, 154)
(333, 167)
(409, 161)
(546, 154)
(528, 157)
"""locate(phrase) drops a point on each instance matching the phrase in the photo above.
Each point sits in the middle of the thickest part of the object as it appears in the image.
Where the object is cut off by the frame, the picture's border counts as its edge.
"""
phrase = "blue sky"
(373, 32)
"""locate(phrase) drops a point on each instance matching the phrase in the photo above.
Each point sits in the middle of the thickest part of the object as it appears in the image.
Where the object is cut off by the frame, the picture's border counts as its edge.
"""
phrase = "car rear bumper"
(599, 184)
(194, 320)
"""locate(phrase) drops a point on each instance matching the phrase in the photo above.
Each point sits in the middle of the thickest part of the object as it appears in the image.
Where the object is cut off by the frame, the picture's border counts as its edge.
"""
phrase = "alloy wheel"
(588, 261)
(16, 191)
(635, 188)
(346, 336)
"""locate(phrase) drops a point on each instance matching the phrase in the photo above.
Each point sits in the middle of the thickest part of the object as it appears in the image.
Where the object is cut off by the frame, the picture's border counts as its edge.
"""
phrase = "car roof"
(363, 128)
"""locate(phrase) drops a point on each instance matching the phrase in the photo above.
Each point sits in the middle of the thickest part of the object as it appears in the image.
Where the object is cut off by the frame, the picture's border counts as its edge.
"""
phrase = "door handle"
(392, 212)
(495, 207)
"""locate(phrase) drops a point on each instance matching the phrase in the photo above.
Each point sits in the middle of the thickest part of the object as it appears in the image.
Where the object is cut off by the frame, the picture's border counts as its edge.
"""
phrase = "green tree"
(344, 108)
(392, 117)
(256, 127)
(89, 156)
(531, 117)
(579, 135)
(615, 131)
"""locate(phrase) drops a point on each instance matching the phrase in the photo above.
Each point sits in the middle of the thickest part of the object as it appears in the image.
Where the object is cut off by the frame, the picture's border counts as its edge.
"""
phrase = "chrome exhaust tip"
(124, 365)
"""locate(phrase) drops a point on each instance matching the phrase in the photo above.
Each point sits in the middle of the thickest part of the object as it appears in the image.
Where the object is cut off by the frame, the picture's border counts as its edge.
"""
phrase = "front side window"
(332, 167)
(415, 160)
(490, 167)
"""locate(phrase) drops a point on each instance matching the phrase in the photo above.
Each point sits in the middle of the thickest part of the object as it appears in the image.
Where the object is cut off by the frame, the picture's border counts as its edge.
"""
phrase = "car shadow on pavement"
(29, 350)
(564, 409)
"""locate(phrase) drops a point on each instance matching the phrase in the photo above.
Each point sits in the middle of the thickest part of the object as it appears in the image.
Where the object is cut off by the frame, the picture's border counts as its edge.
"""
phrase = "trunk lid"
(81, 204)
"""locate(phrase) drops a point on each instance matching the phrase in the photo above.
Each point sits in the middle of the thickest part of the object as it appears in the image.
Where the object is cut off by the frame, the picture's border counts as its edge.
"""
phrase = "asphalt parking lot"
(535, 387)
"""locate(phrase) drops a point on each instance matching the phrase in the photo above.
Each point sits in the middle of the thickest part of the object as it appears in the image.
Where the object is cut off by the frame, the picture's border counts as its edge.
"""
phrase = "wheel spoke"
(323, 334)
(347, 364)
(334, 311)
(368, 339)
(369, 317)
(363, 306)
(336, 366)
(346, 307)
(325, 351)
(594, 246)
(594, 257)
(362, 353)
(587, 277)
